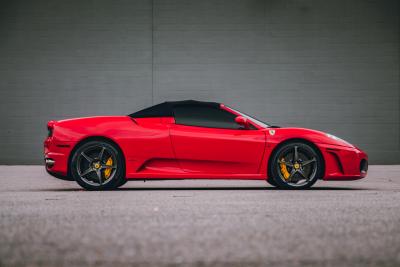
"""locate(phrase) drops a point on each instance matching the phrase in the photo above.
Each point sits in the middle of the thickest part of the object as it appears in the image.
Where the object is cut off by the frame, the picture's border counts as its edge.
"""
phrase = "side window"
(205, 117)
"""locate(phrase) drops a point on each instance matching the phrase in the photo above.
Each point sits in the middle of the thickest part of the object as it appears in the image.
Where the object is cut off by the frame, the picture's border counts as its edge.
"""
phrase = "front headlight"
(338, 139)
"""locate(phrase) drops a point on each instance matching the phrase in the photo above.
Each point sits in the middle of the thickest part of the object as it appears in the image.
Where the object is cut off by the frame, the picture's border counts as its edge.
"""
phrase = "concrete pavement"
(48, 222)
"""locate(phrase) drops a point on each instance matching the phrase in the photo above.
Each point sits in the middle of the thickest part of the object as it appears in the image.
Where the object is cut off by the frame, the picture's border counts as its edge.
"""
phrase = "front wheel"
(296, 165)
(98, 165)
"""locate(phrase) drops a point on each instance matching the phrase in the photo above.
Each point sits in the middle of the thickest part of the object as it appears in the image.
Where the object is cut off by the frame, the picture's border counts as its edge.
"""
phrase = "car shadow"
(234, 188)
(207, 188)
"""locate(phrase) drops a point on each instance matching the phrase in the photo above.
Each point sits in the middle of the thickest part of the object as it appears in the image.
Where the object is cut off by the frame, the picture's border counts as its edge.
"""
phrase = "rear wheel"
(98, 165)
(296, 165)
(122, 182)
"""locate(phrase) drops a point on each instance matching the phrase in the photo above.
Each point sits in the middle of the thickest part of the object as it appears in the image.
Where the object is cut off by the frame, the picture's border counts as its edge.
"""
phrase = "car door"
(207, 140)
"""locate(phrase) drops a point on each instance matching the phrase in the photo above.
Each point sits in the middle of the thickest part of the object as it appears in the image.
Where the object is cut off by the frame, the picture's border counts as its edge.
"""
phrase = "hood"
(307, 134)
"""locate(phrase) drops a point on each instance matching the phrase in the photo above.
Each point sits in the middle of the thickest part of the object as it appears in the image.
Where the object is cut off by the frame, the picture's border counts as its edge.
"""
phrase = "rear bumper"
(56, 155)
(344, 163)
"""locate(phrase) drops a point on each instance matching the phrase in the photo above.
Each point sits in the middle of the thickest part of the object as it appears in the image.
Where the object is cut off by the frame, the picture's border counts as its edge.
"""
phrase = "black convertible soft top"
(166, 109)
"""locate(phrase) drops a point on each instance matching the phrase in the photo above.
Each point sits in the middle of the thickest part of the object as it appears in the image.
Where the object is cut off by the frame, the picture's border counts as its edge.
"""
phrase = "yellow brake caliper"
(107, 171)
(284, 170)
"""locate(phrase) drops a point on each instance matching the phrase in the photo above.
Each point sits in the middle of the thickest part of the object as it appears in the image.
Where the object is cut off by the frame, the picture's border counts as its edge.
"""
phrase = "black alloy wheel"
(296, 165)
(98, 165)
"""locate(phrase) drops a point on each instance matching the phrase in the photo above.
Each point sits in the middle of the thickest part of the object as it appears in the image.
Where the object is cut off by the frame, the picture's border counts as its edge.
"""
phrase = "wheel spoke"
(86, 157)
(108, 167)
(98, 172)
(302, 174)
(305, 163)
(101, 154)
(292, 173)
(288, 164)
(296, 154)
(86, 172)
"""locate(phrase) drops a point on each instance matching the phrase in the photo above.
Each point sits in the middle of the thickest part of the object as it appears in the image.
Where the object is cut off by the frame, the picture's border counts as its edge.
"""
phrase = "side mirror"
(242, 121)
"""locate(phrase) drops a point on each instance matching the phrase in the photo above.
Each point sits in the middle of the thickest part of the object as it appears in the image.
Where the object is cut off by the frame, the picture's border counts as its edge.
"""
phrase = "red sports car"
(195, 140)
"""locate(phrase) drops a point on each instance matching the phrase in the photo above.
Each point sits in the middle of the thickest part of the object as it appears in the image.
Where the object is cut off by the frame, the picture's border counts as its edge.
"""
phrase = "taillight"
(49, 132)
(50, 128)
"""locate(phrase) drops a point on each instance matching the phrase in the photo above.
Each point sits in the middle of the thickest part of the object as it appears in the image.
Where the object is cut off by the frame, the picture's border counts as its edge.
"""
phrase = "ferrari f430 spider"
(195, 140)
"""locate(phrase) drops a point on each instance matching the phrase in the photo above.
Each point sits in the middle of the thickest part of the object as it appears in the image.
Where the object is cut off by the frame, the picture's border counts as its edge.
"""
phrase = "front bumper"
(344, 163)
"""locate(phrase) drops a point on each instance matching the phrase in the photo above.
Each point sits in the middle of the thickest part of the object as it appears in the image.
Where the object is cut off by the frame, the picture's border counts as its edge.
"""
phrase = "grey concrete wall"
(327, 65)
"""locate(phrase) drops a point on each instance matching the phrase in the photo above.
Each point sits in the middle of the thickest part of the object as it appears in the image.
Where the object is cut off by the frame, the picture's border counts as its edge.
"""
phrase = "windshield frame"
(255, 121)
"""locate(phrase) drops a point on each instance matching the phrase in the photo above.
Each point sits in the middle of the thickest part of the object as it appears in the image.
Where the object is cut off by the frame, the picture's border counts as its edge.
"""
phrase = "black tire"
(271, 181)
(88, 166)
(291, 171)
(122, 182)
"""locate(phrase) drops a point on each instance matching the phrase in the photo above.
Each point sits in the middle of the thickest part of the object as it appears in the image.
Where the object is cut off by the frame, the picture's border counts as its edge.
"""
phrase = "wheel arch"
(95, 138)
(293, 140)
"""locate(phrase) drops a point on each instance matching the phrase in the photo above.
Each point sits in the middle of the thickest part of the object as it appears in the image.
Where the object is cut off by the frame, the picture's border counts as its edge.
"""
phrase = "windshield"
(256, 121)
